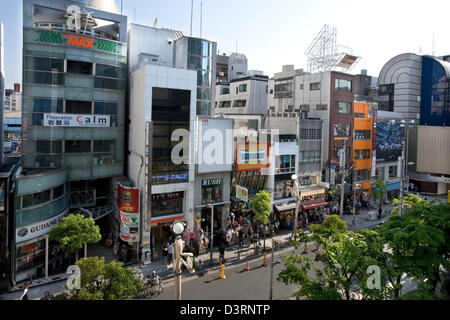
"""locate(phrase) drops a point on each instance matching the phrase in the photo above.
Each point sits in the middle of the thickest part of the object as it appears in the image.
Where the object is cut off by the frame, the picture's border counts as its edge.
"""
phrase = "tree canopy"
(262, 204)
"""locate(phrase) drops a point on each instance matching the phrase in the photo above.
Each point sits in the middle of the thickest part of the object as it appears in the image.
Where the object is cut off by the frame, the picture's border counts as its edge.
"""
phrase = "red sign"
(128, 199)
(167, 196)
(17, 87)
(79, 41)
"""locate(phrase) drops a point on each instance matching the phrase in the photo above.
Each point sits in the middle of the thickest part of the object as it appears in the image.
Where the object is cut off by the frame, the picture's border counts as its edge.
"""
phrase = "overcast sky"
(272, 33)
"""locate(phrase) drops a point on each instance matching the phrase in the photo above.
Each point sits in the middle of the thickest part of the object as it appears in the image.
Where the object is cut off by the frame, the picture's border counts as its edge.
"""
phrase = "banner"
(252, 156)
(76, 120)
(128, 212)
(38, 229)
(242, 193)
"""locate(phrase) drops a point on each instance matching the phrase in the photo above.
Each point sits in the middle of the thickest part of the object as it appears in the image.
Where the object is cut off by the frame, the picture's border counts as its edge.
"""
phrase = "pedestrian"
(165, 254)
(191, 238)
(241, 238)
(25, 292)
(222, 254)
(170, 253)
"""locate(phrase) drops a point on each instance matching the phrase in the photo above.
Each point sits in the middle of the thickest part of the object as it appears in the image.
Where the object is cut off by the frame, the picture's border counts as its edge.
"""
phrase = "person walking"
(222, 253)
(170, 253)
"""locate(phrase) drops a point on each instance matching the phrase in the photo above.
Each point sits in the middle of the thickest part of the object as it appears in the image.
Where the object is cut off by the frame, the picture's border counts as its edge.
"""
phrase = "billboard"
(242, 193)
(215, 147)
(252, 156)
(347, 61)
(389, 139)
(76, 120)
(128, 212)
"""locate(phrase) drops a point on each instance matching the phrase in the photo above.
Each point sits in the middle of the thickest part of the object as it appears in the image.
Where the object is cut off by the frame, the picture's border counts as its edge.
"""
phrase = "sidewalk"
(368, 218)
(233, 255)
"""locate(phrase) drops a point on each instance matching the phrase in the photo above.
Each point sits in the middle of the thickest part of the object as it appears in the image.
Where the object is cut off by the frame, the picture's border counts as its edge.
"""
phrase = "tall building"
(13, 99)
(2, 89)
(73, 117)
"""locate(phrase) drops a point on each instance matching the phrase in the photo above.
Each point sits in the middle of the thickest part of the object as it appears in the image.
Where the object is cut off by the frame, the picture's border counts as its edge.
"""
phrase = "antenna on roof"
(201, 17)
(192, 8)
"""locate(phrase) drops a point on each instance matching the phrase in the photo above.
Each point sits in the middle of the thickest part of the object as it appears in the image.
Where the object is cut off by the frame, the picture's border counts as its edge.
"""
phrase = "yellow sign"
(448, 192)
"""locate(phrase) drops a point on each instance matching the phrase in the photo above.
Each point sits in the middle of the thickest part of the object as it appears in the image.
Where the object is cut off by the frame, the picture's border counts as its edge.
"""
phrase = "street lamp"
(178, 229)
(295, 178)
(209, 205)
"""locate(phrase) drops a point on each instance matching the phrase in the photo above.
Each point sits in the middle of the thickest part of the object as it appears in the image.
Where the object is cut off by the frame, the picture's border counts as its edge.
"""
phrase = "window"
(283, 90)
(310, 134)
(44, 78)
(79, 67)
(362, 175)
(362, 134)
(105, 108)
(104, 145)
(35, 199)
(58, 191)
(271, 91)
(379, 174)
(74, 146)
(239, 103)
(225, 91)
(224, 104)
(47, 146)
(336, 152)
(314, 86)
(111, 84)
(285, 163)
(362, 154)
(341, 130)
(321, 107)
(243, 87)
(392, 172)
(195, 62)
(199, 47)
(386, 97)
(343, 107)
(301, 86)
(309, 156)
(78, 107)
(109, 71)
(203, 94)
(304, 107)
(44, 64)
(342, 84)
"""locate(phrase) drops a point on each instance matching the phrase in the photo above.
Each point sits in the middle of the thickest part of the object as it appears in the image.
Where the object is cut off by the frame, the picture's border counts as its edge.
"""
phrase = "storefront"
(312, 203)
(166, 208)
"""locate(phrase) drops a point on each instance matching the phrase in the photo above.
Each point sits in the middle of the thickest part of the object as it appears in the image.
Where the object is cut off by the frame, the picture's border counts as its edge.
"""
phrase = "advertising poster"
(128, 212)
(252, 156)
(242, 193)
(389, 138)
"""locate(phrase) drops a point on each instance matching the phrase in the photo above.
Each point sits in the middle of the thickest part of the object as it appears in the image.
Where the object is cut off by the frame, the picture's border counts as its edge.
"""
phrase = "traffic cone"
(222, 274)
(265, 260)
(247, 268)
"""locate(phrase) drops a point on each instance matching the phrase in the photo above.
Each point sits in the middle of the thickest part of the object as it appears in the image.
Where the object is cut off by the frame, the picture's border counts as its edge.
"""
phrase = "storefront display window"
(167, 204)
(283, 189)
(29, 256)
(211, 190)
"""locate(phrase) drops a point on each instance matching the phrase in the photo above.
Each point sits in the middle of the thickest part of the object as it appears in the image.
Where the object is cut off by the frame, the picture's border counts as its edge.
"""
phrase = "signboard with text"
(76, 120)
(128, 212)
(252, 156)
(38, 229)
(242, 193)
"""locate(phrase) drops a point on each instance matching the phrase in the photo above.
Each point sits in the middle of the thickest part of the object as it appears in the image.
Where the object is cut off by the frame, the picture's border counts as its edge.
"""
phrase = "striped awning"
(314, 204)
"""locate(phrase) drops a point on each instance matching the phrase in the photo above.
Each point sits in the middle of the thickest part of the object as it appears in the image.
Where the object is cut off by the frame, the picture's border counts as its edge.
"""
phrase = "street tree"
(73, 231)
(408, 202)
(379, 190)
(262, 204)
(339, 269)
(415, 246)
(103, 281)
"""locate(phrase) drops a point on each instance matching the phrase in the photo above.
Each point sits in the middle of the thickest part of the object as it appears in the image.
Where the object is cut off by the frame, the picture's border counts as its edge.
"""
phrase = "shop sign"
(312, 195)
(170, 178)
(73, 40)
(167, 196)
(242, 193)
(76, 120)
(38, 229)
(252, 156)
(211, 182)
(128, 212)
(332, 175)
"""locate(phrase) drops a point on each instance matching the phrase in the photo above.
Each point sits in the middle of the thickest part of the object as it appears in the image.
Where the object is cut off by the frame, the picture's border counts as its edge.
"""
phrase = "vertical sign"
(128, 211)
(147, 199)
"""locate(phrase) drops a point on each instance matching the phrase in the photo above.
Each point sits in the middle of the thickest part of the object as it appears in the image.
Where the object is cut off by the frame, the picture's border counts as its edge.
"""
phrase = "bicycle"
(155, 285)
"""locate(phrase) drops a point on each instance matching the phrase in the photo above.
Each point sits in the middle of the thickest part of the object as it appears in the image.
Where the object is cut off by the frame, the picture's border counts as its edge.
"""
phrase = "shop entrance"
(161, 235)
(205, 224)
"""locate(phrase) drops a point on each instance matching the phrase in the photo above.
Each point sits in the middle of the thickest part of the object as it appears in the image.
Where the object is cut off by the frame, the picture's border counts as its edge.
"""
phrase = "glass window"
(199, 47)
(321, 107)
(35, 199)
(362, 175)
(75, 146)
(109, 71)
(203, 78)
(243, 87)
(224, 104)
(195, 62)
(362, 135)
(58, 191)
(78, 107)
(343, 107)
(362, 154)
(111, 84)
(203, 108)
(44, 78)
(239, 103)
(105, 108)
(104, 145)
(341, 130)
(44, 64)
(203, 94)
(79, 67)
(392, 172)
(314, 86)
(47, 105)
(342, 84)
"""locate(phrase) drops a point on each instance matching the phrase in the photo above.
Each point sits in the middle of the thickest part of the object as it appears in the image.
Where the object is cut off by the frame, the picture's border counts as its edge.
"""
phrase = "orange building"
(362, 144)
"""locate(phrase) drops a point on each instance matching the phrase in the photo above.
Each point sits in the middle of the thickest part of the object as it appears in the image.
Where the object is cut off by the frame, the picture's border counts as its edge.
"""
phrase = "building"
(323, 95)
(164, 97)
(245, 95)
(362, 145)
(13, 99)
(365, 87)
(171, 48)
(73, 117)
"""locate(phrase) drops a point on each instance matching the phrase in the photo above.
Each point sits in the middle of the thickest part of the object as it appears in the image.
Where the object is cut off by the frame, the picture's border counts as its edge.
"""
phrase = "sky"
(272, 33)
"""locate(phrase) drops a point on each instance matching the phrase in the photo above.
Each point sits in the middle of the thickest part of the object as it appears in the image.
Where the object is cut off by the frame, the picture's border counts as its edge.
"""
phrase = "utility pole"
(402, 173)
(342, 165)
(297, 193)
(271, 270)
(212, 232)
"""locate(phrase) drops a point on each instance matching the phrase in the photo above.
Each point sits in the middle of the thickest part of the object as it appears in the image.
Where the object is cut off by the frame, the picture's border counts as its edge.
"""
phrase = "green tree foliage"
(262, 204)
(417, 244)
(339, 268)
(408, 202)
(379, 190)
(100, 281)
(74, 230)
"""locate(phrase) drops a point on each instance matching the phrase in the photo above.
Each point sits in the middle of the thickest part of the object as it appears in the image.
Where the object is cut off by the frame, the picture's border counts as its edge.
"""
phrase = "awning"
(285, 206)
(314, 204)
